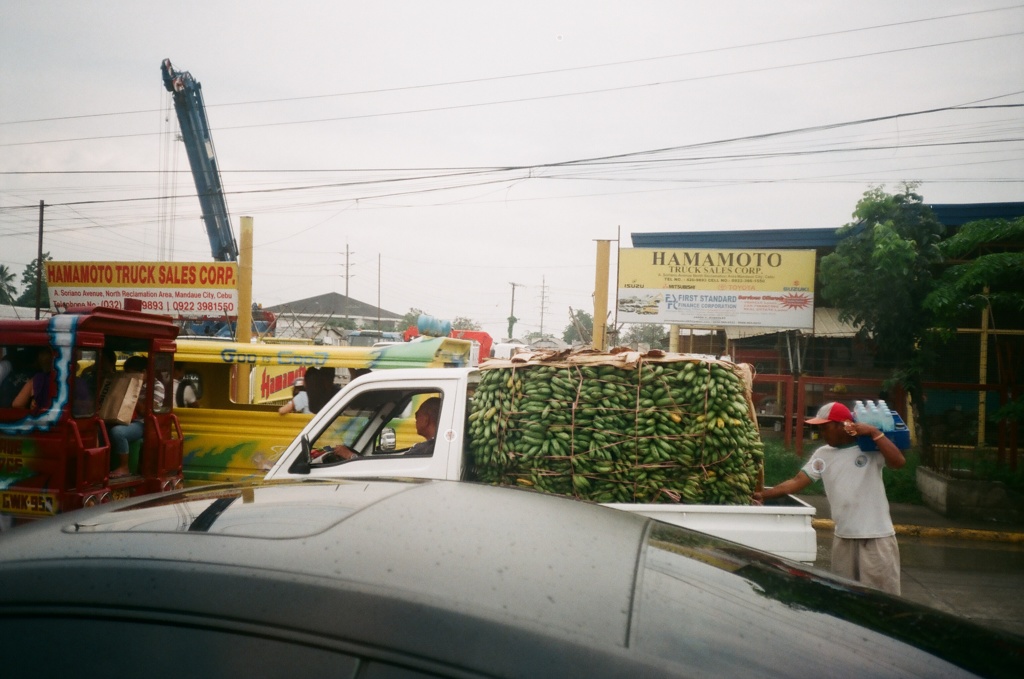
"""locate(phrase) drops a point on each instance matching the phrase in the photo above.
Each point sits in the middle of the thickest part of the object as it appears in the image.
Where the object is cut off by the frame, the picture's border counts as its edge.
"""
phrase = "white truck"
(373, 417)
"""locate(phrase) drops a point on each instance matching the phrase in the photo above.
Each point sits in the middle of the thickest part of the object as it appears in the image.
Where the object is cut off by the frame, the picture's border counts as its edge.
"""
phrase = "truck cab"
(235, 432)
(373, 417)
(55, 450)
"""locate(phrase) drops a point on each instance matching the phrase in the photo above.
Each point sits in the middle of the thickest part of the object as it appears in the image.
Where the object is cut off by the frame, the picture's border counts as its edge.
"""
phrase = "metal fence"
(958, 409)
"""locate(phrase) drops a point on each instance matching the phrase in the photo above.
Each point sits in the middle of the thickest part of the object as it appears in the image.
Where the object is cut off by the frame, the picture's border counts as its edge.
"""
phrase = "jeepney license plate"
(36, 504)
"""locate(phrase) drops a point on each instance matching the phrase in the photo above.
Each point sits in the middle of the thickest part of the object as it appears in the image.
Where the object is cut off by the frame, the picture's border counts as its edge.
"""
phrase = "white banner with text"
(178, 289)
(717, 288)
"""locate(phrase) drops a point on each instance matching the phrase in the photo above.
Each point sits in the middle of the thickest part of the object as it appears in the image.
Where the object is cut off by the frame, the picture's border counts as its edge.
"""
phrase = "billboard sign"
(178, 289)
(717, 288)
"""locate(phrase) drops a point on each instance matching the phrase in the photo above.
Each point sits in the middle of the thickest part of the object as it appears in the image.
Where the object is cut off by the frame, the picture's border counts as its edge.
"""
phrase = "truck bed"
(783, 527)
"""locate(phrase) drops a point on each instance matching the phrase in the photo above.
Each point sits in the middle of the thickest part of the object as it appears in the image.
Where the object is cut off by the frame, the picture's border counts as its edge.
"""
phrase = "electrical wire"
(532, 74)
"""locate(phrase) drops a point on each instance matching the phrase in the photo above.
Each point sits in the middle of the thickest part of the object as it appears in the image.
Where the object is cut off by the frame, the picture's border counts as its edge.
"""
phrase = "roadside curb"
(828, 525)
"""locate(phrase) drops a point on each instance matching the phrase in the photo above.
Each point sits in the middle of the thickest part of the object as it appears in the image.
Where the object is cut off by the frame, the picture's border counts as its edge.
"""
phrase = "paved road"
(980, 580)
(954, 568)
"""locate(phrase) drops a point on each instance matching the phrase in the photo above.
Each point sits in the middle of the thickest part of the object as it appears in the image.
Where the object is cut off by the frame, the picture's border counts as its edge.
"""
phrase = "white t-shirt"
(188, 394)
(856, 494)
(301, 402)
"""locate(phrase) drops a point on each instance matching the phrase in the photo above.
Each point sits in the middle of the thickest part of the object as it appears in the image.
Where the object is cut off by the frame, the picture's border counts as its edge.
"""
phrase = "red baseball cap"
(831, 412)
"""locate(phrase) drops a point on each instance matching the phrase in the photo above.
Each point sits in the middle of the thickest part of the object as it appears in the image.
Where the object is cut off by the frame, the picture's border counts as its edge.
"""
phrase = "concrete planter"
(967, 498)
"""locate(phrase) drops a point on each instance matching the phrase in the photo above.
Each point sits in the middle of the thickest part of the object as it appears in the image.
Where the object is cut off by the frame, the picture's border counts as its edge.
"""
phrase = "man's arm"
(788, 487)
(893, 455)
(421, 448)
(24, 397)
(334, 453)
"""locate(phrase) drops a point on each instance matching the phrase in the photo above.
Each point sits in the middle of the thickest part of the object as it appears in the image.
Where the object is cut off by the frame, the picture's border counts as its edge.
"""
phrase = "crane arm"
(195, 132)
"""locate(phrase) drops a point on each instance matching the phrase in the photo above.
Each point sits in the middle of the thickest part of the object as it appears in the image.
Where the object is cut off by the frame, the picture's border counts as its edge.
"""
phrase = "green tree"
(986, 271)
(28, 280)
(653, 335)
(8, 293)
(580, 328)
(463, 323)
(411, 318)
(877, 277)
(986, 275)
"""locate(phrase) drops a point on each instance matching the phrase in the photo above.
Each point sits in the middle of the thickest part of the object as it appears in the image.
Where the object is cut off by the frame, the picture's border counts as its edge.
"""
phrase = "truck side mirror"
(388, 440)
(302, 461)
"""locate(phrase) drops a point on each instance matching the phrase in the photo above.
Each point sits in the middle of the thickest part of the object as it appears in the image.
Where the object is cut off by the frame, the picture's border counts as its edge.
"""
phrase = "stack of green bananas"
(665, 431)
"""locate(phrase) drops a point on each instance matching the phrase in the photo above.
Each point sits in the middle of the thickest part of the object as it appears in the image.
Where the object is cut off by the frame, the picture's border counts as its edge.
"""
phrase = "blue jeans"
(122, 435)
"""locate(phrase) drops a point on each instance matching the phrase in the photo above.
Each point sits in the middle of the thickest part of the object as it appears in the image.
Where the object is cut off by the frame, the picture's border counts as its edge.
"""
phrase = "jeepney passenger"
(123, 435)
(300, 399)
(5, 365)
(39, 391)
(21, 369)
(185, 395)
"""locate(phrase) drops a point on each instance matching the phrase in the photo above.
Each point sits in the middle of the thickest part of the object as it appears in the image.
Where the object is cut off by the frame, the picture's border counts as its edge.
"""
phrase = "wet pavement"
(970, 569)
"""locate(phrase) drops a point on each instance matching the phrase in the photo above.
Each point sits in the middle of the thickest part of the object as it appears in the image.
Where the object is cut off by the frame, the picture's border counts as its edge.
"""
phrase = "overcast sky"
(454, 148)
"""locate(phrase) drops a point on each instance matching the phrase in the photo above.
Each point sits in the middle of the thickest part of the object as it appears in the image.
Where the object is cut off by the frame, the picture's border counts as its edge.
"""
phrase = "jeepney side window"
(18, 367)
(163, 382)
(86, 387)
(26, 363)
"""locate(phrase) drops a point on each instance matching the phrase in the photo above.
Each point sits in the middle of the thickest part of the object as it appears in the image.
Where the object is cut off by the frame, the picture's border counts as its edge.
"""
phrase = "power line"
(499, 174)
(531, 74)
(519, 100)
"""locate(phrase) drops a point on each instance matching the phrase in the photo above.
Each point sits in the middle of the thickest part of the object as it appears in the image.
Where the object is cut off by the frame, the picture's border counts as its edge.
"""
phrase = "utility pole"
(347, 276)
(512, 312)
(39, 262)
(543, 303)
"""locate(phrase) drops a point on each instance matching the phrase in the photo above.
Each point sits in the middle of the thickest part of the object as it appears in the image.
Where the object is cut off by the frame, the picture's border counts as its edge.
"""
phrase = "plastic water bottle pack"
(876, 414)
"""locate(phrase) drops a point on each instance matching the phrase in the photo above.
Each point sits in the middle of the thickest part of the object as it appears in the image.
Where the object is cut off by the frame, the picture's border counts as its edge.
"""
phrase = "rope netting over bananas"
(618, 427)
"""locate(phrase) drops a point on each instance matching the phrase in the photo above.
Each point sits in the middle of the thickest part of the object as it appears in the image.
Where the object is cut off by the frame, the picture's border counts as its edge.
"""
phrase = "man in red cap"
(864, 544)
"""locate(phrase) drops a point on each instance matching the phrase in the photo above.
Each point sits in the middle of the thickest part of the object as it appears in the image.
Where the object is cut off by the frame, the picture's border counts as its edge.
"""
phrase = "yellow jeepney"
(235, 432)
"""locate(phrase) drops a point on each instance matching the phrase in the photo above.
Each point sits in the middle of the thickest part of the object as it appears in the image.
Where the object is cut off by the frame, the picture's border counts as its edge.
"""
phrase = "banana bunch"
(659, 431)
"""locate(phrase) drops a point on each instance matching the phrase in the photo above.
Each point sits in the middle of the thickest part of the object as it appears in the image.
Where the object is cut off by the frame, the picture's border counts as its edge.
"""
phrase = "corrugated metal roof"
(826, 324)
(951, 214)
(333, 304)
(774, 239)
